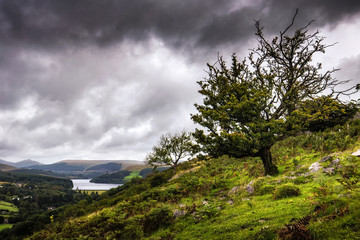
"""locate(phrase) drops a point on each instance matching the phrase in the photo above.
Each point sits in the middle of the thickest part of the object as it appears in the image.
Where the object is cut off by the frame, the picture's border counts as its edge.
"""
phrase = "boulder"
(250, 189)
(357, 153)
(315, 167)
(335, 162)
(329, 170)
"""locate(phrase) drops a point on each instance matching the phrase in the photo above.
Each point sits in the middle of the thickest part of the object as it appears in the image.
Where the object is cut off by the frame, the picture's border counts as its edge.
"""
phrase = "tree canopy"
(171, 148)
(247, 106)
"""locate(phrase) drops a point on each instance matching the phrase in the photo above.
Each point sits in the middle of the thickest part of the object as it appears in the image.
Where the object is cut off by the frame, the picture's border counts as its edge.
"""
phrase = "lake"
(85, 184)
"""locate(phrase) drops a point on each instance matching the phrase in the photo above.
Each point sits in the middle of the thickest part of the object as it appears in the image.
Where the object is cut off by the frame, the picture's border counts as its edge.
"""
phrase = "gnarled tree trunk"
(269, 166)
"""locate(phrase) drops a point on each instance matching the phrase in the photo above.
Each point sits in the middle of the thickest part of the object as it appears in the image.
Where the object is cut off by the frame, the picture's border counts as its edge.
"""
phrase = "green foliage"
(134, 174)
(251, 104)
(16, 177)
(322, 112)
(144, 208)
(171, 149)
(29, 199)
(266, 234)
(338, 138)
(157, 179)
(349, 174)
(156, 218)
(116, 177)
(206, 212)
(266, 189)
(286, 190)
(146, 171)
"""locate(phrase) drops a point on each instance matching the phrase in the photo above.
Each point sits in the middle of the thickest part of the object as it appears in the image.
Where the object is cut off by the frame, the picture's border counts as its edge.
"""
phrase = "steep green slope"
(228, 198)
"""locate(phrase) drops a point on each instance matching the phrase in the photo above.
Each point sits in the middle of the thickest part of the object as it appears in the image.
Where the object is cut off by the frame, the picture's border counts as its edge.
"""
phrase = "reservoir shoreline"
(85, 184)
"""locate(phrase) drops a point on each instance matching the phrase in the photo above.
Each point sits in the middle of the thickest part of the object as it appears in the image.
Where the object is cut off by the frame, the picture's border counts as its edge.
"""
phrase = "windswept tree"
(247, 106)
(171, 148)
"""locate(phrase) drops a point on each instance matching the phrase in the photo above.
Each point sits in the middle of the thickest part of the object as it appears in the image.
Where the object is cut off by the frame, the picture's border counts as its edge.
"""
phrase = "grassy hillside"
(6, 168)
(228, 198)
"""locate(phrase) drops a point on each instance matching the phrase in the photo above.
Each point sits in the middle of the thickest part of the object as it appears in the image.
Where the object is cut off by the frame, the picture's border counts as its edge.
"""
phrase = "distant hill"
(21, 164)
(6, 162)
(90, 168)
(126, 164)
(38, 172)
(59, 167)
(116, 177)
(26, 163)
(7, 168)
(106, 167)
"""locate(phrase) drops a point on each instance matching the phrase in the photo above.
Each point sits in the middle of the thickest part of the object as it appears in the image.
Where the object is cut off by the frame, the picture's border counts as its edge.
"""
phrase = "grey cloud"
(185, 24)
(113, 75)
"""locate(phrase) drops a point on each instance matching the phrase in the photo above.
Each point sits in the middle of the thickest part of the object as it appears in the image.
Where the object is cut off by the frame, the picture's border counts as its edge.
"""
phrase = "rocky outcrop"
(315, 167)
(357, 153)
(249, 188)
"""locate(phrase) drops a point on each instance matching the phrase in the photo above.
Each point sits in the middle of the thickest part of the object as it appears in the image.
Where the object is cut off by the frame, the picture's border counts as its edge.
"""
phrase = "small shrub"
(265, 189)
(157, 179)
(350, 175)
(286, 190)
(257, 184)
(158, 217)
(300, 180)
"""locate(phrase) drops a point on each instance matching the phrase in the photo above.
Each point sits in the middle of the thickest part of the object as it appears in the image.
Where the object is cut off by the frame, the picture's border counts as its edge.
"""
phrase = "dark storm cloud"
(91, 76)
(103, 22)
(322, 11)
(186, 23)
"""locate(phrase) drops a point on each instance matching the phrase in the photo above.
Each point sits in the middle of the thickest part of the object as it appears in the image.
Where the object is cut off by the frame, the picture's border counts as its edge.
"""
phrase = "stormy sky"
(89, 79)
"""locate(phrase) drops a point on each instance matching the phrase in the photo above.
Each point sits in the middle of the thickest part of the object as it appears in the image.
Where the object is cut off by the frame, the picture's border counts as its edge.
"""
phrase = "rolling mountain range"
(22, 164)
(73, 168)
(89, 168)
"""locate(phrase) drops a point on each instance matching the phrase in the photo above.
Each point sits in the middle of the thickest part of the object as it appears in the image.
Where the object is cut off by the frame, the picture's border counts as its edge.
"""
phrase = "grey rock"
(335, 162)
(245, 199)
(329, 170)
(250, 189)
(205, 203)
(298, 167)
(234, 190)
(230, 202)
(179, 213)
(327, 158)
(357, 153)
(315, 167)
